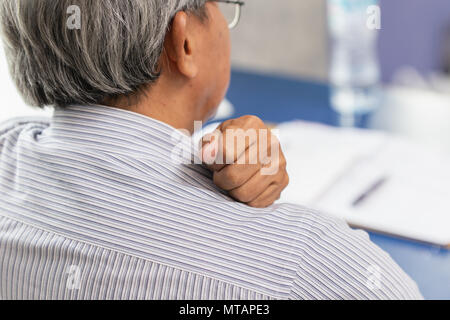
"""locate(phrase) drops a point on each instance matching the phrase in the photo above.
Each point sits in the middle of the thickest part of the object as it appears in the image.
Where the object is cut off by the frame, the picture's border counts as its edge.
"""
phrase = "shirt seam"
(302, 253)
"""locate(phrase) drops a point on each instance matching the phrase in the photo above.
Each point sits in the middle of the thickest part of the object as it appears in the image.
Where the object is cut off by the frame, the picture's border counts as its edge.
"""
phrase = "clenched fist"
(247, 161)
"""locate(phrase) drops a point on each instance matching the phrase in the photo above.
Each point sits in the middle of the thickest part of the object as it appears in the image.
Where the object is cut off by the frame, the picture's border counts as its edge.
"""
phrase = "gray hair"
(114, 51)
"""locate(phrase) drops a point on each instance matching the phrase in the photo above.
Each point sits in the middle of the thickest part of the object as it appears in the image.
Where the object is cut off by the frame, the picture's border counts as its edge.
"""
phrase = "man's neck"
(160, 103)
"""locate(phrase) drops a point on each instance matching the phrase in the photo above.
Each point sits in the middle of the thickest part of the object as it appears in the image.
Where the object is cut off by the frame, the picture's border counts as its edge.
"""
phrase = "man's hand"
(247, 161)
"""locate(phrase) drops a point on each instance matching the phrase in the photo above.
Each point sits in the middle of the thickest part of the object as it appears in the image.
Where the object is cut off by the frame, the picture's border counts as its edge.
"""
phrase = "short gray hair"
(115, 51)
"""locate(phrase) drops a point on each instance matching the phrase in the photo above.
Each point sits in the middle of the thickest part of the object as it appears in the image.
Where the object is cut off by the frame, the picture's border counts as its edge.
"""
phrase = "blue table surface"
(279, 99)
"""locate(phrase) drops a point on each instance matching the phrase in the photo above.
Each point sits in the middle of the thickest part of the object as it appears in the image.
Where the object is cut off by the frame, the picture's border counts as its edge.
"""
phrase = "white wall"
(12, 104)
(283, 36)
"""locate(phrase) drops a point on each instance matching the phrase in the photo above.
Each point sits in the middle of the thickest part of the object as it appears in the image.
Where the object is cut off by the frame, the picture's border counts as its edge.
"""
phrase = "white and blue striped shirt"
(92, 206)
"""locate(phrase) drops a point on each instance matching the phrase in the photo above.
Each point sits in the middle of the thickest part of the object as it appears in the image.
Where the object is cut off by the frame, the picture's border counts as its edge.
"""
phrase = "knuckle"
(227, 123)
(254, 204)
(241, 194)
(223, 127)
(283, 164)
(217, 180)
(287, 180)
(258, 204)
(251, 119)
(232, 176)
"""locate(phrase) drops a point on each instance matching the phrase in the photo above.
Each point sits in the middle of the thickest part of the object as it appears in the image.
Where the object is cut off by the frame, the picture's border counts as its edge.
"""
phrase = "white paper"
(330, 168)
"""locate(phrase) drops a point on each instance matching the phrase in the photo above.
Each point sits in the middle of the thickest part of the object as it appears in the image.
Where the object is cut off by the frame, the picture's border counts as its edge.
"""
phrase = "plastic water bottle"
(354, 70)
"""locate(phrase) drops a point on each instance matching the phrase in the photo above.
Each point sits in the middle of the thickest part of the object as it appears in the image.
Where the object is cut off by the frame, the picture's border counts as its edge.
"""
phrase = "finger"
(235, 175)
(267, 198)
(253, 188)
(237, 136)
(244, 122)
(234, 143)
(272, 194)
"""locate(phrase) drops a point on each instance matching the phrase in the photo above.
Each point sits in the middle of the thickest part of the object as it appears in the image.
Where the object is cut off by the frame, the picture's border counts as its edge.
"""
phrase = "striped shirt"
(93, 205)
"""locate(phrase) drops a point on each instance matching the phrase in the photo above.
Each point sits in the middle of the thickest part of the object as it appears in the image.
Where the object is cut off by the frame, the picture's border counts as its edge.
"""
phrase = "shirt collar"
(123, 132)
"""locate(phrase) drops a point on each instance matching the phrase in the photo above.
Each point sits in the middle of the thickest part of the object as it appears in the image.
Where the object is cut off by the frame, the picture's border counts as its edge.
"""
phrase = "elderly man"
(94, 205)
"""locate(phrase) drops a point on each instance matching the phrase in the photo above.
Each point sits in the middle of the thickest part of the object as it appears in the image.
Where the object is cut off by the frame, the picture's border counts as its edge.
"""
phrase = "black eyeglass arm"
(241, 3)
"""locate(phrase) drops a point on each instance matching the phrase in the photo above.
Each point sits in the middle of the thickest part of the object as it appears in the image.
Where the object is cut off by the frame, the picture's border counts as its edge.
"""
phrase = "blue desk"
(279, 99)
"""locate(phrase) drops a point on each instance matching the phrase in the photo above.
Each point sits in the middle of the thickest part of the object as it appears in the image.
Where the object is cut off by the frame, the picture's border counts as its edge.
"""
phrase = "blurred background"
(411, 61)
(295, 38)
(414, 39)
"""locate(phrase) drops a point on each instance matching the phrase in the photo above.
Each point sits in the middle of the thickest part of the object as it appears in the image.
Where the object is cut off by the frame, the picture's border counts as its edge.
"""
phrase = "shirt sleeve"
(340, 263)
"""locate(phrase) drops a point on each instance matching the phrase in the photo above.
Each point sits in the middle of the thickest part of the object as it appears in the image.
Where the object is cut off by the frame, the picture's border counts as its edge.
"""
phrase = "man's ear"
(179, 46)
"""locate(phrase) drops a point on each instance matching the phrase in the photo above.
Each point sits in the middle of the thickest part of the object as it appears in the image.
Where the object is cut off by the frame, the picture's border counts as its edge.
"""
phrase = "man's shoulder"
(18, 123)
(344, 263)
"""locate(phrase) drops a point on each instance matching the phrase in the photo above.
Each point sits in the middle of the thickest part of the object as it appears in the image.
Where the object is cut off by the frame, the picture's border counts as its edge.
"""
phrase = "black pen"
(377, 185)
